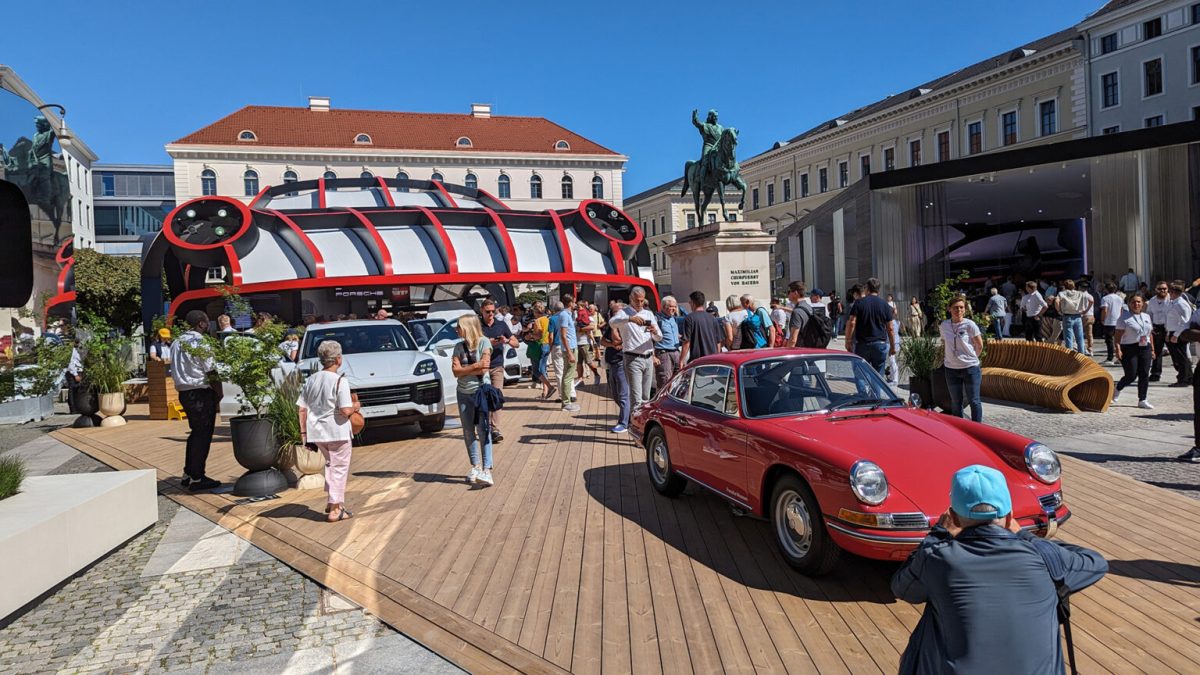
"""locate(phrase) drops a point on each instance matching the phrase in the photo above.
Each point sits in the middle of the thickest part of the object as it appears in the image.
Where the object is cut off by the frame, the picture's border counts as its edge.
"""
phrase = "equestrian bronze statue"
(717, 167)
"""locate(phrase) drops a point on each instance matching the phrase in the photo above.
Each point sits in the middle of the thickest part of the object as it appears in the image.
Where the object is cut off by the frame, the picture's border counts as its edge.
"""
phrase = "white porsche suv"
(396, 382)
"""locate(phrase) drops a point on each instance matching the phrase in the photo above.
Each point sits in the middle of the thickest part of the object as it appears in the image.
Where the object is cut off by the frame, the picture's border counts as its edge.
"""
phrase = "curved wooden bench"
(1045, 375)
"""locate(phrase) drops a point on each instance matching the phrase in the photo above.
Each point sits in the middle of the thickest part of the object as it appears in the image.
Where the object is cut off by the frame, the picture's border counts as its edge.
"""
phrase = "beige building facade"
(1034, 94)
(662, 214)
(526, 162)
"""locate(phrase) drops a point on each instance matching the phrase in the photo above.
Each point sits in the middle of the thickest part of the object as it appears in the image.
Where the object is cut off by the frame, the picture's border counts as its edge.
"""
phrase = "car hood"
(917, 452)
(379, 368)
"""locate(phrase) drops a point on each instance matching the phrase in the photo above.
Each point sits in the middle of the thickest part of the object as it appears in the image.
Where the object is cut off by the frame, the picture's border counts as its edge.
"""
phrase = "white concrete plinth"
(722, 259)
(57, 525)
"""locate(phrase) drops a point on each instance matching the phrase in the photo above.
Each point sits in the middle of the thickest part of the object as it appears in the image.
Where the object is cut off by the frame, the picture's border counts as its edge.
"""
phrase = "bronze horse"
(713, 173)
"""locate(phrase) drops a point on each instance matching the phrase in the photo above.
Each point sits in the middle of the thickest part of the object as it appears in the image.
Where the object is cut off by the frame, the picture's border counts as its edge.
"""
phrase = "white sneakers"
(478, 476)
(1145, 405)
(1116, 396)
(473, 477)
(485, 477)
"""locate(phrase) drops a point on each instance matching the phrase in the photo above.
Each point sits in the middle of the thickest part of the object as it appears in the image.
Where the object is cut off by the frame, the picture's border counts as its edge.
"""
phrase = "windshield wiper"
(857, 400)
(891, 401)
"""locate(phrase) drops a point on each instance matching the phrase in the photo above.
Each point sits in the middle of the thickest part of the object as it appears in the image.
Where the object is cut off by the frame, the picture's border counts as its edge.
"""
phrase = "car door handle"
(681, 421)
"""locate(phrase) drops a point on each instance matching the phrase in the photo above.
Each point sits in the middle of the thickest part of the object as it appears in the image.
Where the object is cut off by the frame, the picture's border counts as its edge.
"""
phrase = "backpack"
(818, 330)
(754, 330)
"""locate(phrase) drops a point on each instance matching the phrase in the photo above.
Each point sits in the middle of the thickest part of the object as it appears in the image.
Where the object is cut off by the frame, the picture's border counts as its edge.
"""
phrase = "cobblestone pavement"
(188, 596)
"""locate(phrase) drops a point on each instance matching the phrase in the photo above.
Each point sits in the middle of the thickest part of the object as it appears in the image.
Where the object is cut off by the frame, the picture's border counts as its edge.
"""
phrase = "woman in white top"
(963, 343)
(325, 409)
(1135, 348)
(916, 317)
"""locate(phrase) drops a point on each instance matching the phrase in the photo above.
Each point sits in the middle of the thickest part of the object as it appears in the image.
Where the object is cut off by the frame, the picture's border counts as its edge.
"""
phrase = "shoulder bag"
(357, 421)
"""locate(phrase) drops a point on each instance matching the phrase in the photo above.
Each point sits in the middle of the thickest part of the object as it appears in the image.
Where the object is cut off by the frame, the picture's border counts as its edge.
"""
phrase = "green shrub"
(920, 355)
(283, 411)
(49, 360)
(12, 473)
(106, 356)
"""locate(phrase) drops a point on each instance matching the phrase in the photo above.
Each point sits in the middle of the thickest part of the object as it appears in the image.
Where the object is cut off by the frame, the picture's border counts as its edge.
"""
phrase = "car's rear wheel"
(432, 425)
(799, 530)
(658, 462)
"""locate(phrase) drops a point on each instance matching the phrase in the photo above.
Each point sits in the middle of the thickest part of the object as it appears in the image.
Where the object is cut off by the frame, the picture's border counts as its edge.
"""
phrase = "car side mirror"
(915, 400)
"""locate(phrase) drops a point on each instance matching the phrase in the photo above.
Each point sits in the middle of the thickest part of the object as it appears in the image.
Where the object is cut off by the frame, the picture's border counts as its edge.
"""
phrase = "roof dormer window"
(562, 145)
(362, 139)
(246, 135)
(463, 142)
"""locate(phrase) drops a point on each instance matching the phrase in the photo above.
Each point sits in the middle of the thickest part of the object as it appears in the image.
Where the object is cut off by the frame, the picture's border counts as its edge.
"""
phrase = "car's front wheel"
(799, 530)
(658, 462)
(432, 425)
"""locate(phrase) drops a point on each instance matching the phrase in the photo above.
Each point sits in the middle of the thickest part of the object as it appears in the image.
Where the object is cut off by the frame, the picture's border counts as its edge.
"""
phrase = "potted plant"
(12, 474)
(105, 369)
(921, 356)
(300, 465)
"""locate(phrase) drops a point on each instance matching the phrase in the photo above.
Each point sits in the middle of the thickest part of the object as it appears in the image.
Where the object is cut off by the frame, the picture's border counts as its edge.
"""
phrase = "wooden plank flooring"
(573, 563)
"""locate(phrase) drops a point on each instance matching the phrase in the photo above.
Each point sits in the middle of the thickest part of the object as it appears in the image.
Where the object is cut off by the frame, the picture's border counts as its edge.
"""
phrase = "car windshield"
(359, 339)
(423, 329)
(447, 332)
(802, 384)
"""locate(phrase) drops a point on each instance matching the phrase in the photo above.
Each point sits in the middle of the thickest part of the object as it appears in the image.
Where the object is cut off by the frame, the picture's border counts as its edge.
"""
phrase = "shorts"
(585, 354)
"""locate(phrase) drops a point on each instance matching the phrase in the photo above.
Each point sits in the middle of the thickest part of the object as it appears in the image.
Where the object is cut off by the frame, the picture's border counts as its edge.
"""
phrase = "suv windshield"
(803, 384)
(423, 329)
(359, 339)
(447, 332)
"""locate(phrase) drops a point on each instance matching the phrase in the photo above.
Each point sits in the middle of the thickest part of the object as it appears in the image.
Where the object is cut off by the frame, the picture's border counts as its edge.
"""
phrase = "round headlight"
(868, 483)
(1043, 463)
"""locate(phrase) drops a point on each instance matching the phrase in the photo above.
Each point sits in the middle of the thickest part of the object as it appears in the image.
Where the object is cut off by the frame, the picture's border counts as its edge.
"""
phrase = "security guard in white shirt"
(1179, 316)
(1156, 307)
(200, 395)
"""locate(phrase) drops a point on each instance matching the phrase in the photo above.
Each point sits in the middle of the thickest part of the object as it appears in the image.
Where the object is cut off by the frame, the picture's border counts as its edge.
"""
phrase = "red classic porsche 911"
(817, 443)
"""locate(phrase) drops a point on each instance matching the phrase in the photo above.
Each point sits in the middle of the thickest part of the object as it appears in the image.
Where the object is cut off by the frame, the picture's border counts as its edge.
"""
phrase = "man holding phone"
(502, 338)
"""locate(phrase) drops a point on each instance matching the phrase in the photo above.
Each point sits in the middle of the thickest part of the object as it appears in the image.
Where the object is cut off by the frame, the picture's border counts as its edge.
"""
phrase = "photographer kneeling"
(990, 589)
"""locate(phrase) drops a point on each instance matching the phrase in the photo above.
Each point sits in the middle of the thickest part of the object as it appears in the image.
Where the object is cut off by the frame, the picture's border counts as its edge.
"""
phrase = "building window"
(1195, 113)
(754, 198)
(247, 135)
(250, 179)
(1196, 64)
(1156, 121)
(787, 189)
(914, 152)
(1008, 128)
(1110, 88)
(329, 175)
(843, 174)
(597, 187)
(362, 139)
(1111, 130)
(208, 182)
(889, 159)
(1152, 28)
(535, 187)
(691, 220)
(1108, 43)
(108, 184)
(1196, 13)
(400, 175)
(864, 166)
(562, 145)
(654, 261)
(1152, 78)
(943, 145)
(290, 176)
(1048, 114)
(712, 218)
(463, 142)
(504, 187)
(770, 194)
(732, 216)
(568, 188)
(437, 177)
(471, 181)
(975, 138)
(803, 185)
(823, 180)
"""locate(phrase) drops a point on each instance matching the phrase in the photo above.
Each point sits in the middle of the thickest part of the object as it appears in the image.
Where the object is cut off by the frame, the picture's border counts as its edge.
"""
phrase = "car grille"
(910, 521)
(427, 393)
(402, 393)
(1051, 502)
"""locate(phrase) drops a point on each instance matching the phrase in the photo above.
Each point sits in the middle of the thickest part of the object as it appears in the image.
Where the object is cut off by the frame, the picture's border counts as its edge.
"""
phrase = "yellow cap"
(164, 333)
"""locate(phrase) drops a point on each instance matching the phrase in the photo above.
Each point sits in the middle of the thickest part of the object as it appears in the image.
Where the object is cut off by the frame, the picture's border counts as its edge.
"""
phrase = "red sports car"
(817, 443)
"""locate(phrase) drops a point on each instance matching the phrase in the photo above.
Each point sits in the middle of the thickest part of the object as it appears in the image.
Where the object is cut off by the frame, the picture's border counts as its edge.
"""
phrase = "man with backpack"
(994, 594)
(810, 324)
(757, 329)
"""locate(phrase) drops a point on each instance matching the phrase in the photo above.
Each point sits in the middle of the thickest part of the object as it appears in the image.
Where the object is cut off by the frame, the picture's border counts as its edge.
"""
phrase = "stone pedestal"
(722, 259)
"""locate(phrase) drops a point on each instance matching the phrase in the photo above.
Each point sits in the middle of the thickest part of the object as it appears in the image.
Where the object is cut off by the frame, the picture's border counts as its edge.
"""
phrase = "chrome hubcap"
(793, 524)
(658, 455)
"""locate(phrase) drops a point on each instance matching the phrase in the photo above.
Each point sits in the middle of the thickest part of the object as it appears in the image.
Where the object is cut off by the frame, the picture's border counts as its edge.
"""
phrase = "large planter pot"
(87, 404)
(112, 406)
(941, 392)
(22, 410)
(922, 387)
(255, 448)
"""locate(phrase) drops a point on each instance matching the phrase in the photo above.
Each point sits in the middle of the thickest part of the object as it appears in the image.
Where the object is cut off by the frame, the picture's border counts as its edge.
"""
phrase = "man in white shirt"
(639, 331)
(199, 394)
(1034, 306)
(1129, 282)
(1156, 307)
(1111, 306)
(1178, 318)
(225, 325)
(74, 376)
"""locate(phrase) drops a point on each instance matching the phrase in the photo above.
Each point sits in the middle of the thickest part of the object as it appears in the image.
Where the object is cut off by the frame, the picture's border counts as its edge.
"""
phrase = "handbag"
(357, 421)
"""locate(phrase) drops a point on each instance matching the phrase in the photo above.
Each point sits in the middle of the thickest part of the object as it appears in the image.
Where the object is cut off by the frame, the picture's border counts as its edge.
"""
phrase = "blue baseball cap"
(978, 485)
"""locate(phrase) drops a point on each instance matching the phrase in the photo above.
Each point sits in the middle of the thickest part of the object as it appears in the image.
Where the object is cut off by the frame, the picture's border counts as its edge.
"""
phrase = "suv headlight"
(1042, 463)
(868, 483)
(425, 367)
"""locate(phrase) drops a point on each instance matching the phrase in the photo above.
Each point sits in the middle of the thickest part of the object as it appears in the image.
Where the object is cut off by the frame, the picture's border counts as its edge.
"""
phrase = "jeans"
(876, 354)
(201, 408)
(998, 326)
(1135, 360)
(473, 431)
(337, 468)
(618, 388)
(1073, 331)
(964, 384)
(639, 370)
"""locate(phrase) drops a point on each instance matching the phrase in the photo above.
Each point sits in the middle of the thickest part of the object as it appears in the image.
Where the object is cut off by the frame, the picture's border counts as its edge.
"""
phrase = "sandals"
(342, 512)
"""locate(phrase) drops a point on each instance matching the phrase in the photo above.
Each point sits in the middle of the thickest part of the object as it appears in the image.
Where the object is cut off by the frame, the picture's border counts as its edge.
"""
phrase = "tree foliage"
(530, 297)
(110, 287)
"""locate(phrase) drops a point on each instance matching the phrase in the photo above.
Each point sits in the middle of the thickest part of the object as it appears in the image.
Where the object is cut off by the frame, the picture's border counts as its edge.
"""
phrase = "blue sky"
(135, 76)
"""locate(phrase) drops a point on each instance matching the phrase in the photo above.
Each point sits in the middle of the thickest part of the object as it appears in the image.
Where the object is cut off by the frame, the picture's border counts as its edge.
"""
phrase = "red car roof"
(737, 358)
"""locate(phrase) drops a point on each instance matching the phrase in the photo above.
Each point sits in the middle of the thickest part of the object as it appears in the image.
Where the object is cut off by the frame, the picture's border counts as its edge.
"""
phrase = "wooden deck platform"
(573, 563)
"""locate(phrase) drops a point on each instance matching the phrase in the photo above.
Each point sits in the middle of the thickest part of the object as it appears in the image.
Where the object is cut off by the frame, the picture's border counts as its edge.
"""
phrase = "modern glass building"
(132, 201)
(1097, 206)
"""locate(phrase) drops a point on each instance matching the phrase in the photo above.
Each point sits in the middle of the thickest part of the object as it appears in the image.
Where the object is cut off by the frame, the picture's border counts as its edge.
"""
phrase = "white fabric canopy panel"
(537, 250)
(355, 198)
(415, 199)
(345, 254)
(476, 249)
(413, 249)
(272, 259)
(586, 259)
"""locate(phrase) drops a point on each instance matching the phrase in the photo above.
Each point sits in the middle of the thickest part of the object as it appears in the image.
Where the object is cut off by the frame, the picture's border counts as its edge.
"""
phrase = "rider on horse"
(710, 131)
